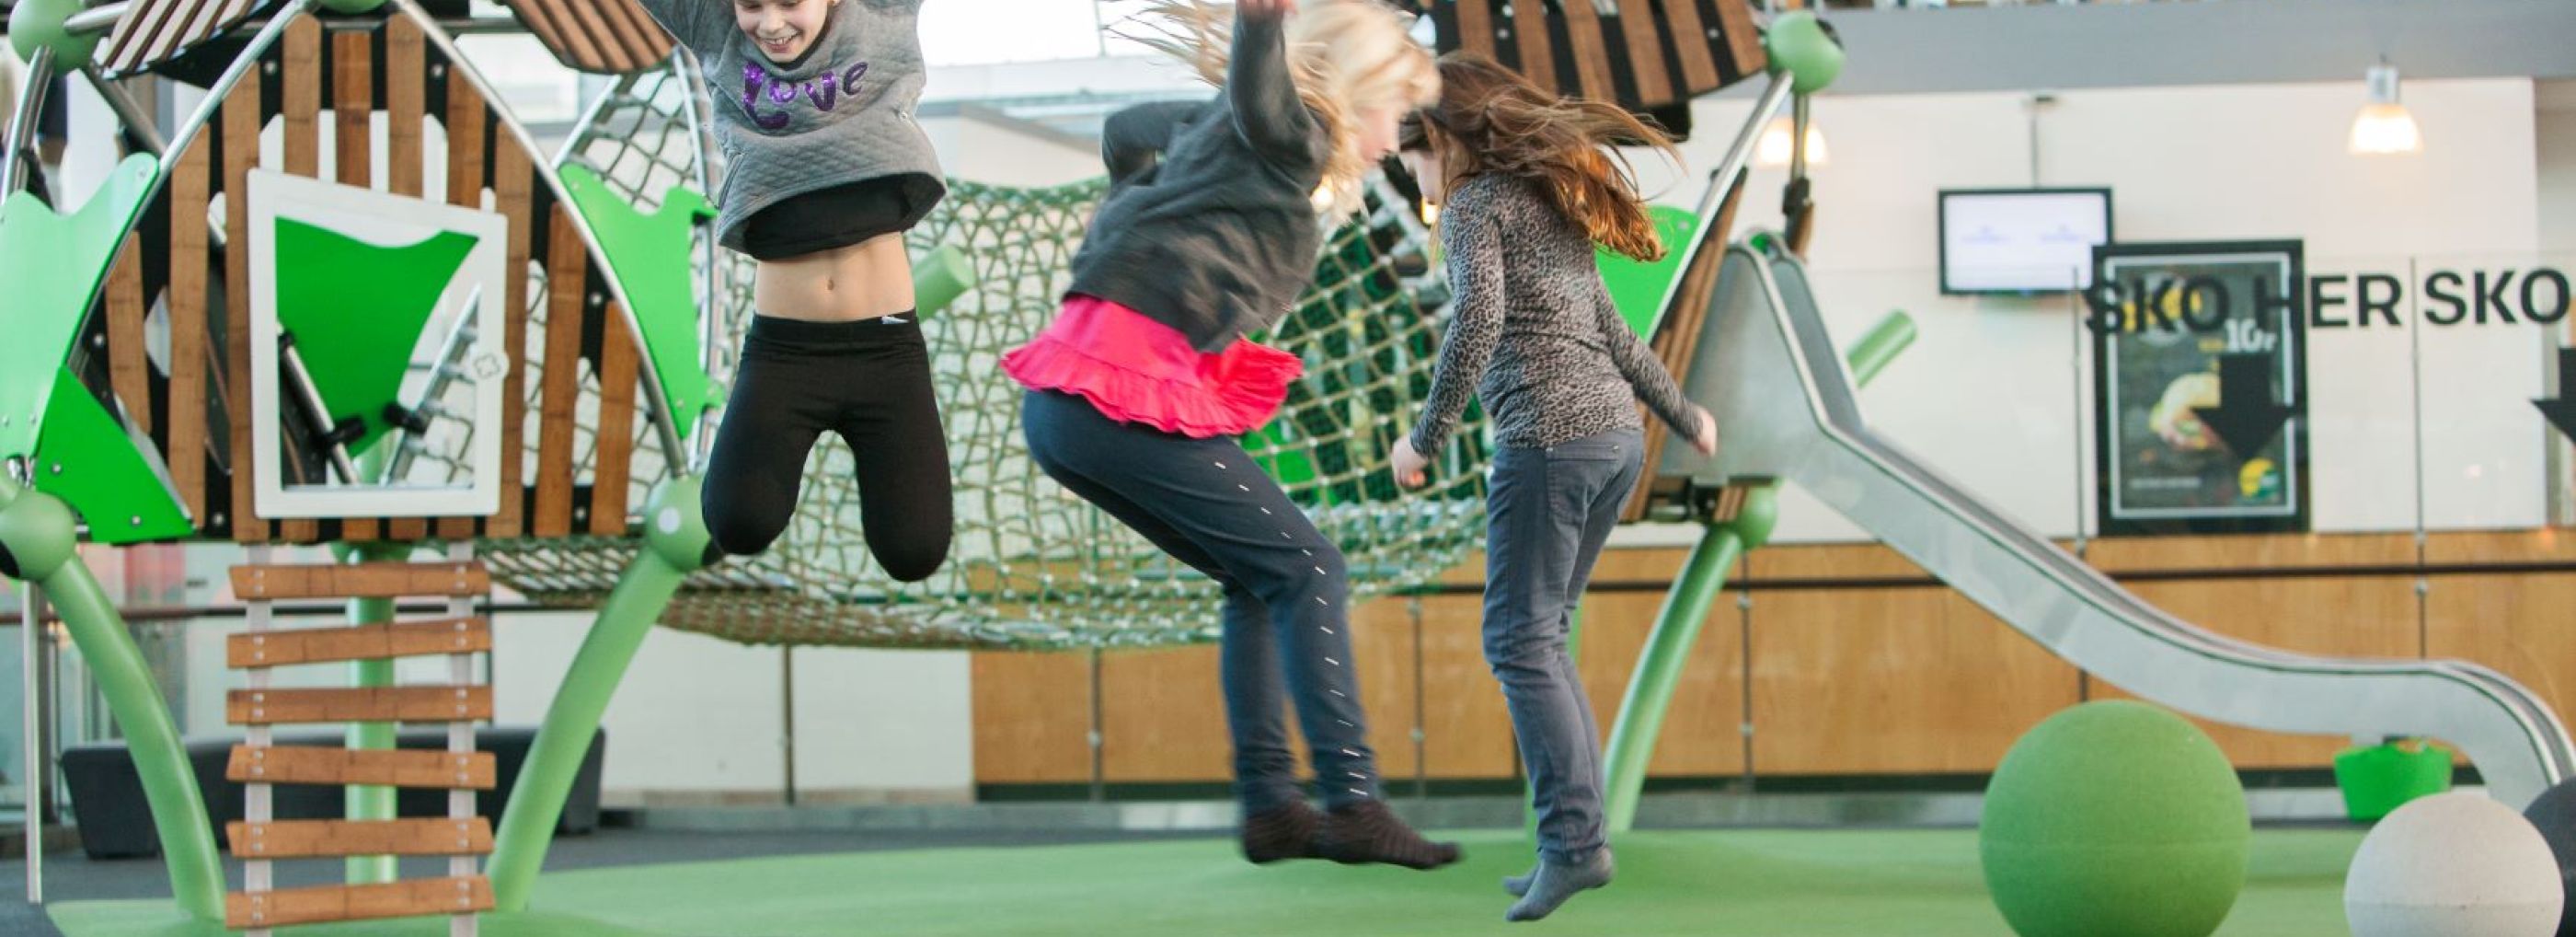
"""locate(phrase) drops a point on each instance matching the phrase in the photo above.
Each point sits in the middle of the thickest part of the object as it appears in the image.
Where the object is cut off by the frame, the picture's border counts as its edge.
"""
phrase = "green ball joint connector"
(37, 536)
(675, 527)
(39, 25)
(1806, 48)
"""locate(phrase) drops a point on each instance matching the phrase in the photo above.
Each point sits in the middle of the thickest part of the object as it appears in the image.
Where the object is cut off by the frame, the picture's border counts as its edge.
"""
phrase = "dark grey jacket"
(1210, 223)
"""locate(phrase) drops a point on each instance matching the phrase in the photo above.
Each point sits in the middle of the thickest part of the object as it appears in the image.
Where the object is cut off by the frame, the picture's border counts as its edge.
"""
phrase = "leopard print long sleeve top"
(1532, 329)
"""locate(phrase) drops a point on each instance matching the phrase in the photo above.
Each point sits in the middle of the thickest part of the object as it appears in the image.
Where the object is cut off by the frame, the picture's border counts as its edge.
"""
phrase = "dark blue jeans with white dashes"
(1287, 635)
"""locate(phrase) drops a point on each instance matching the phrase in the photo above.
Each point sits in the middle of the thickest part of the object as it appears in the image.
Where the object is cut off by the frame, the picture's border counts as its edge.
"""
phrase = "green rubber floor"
(1771, 883)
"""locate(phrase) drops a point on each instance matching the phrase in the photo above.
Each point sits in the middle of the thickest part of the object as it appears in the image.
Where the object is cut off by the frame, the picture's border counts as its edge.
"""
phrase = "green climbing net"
(1031, 566)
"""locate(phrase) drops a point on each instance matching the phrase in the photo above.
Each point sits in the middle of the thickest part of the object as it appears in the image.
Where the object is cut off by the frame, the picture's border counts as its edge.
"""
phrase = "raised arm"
(1133, 139)
(1475, 248)
(1645, 373)
(1268, 114)
(701, 25)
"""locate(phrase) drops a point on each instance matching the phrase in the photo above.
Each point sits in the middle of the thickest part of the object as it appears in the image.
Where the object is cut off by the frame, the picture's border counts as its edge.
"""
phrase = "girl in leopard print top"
(1530, 184)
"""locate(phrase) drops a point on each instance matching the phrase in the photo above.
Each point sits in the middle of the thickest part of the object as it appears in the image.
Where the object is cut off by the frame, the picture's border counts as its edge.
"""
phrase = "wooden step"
(360, 581)
(306, 839)
(297, 764)
(365, 642)
(244, 911)
(363, 704)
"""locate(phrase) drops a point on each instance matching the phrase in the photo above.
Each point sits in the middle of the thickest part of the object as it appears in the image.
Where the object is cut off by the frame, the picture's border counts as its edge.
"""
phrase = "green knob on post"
(45, 24)
(675, 527)
(939, 279)
(38, 534)
(1805, 47)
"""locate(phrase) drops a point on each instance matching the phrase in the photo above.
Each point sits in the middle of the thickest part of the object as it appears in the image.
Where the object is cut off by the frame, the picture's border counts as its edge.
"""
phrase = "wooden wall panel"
(2515, 624)
(1702, 733)
(2252, 551)
(1162, 717)
(2343, 617)
(1888, 680)
(1467, 733)
(1032, 717)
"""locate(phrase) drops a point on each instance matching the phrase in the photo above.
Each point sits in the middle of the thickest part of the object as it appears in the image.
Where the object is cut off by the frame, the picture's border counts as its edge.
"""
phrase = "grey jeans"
(1549, 512)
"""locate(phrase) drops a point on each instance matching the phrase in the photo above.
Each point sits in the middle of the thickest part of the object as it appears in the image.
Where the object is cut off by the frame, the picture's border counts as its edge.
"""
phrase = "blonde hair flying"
(1345, 56)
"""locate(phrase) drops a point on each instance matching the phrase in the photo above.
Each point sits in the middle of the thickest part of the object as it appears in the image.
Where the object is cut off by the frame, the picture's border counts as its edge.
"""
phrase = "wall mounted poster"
(2199, 381)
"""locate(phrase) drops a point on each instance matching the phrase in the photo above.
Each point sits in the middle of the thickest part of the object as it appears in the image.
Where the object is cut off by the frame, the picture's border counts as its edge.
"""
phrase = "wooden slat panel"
(295, 764)
(1676, 338)
(405, 105)
(303, 139)
(1591, 57)
(129, 372)
(353, 160)
(1538, 58)
(361, 581)
(2500, 546)
(1743, 39)
(616, 448)
(1382, 652)
(189, 191)
(307, 839)
(1699, 69)
(1476, 27)
(572, 40)
(567, 276)
(587, 18)
(512, 177)
(353, 104)
(1645, 51)
(464, 124)
(406, 101)
(1703, 725)
(364, 642)
(1033, 716)
(241, 154)
(361, 704)
(303, 103)
(644, 40)
(357, 902)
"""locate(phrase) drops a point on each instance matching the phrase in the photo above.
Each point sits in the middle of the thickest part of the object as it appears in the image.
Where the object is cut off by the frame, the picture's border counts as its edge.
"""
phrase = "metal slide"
(1769, 372)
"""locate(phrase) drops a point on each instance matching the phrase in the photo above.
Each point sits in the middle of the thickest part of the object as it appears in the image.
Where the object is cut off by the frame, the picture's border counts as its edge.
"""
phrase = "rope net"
(1032, 566)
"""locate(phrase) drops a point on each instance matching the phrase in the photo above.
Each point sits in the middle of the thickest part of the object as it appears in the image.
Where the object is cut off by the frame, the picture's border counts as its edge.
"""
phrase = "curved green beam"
(40, 535)
(1694, 593)
(675, 543)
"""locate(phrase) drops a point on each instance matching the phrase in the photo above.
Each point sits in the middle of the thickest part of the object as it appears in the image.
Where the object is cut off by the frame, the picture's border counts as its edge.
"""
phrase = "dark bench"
(107, 795)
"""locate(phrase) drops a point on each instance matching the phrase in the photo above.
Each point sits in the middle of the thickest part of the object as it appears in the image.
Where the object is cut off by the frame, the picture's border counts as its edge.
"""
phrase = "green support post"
(39, 533)
(1694, 593)
(371, 802)
(675, 544)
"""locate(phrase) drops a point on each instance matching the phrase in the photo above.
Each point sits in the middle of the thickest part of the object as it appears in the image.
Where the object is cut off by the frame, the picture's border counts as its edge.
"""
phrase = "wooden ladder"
(462, 836)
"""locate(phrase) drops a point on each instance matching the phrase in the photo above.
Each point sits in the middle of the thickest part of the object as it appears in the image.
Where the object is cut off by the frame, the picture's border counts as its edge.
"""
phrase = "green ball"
(38, 24)
(675, 527)
(38, 534)
(1804, 46)
(2114, 819)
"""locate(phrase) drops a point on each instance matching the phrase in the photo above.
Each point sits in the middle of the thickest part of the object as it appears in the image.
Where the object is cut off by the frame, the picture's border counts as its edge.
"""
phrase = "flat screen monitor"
(2021, 241)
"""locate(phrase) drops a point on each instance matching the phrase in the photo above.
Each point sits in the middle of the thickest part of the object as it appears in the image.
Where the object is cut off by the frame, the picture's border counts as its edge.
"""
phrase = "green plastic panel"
(88, 459)
(1637, 287)
(52, 266)
(650, 254)
(357, 310)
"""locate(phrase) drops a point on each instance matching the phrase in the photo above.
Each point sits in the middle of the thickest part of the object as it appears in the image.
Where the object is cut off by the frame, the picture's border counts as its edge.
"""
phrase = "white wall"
(2556, 132)
(2261, 161)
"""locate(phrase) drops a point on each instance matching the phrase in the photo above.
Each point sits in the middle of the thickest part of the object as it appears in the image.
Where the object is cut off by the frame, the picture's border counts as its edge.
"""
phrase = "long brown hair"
(1491, 120)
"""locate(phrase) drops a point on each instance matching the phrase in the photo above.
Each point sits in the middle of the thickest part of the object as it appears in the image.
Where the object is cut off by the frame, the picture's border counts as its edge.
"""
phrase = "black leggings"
(867, 380)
